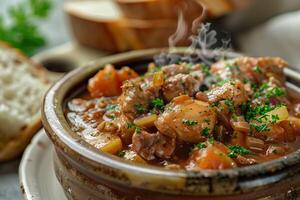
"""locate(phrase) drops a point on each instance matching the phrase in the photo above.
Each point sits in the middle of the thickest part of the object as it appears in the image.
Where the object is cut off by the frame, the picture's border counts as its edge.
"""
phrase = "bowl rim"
(55, 124)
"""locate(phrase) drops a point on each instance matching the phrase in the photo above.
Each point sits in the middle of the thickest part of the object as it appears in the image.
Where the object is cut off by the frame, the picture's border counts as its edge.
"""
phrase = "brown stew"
(190, 116)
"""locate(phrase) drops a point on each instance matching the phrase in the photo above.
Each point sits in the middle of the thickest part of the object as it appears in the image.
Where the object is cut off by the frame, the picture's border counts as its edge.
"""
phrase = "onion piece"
(241, 126)
(158, 79)
(146, 121)
(255, 144)
(281, 112)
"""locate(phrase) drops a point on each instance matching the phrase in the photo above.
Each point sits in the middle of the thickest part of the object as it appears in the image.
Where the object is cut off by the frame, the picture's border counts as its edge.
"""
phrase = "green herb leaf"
(137, 129)
(236, 150)
(205, 69)
(157, 104)
(201, 145)
(206, 132)
(257, 69)
(22, 31)
(189, 122)
(112, 107)
(140, 108)
(229, 104)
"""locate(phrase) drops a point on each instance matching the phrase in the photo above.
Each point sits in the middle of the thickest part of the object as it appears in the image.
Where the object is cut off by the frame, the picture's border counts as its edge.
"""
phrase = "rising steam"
(203, 46)
(181, 31)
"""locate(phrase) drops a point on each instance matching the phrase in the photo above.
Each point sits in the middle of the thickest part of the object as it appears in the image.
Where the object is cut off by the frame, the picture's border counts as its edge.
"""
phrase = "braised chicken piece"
(190, 116)
(187, 120)
(151, 145)
(134, 100)
(255, 69)
(180, 84)
(233, 91)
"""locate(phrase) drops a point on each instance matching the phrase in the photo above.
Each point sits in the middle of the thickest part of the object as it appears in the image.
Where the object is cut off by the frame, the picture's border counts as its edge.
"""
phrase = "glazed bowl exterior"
(86, 173)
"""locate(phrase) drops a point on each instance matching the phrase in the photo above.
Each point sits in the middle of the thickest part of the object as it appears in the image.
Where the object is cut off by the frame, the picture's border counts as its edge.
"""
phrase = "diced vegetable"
(151, 67)
(126, 73)
(276, 150)
(239, 138)
(213, 158)
(158, 79)
(105, 83)
(295, 123)
(241, 126)
(108, 81)
(281, 113)
(255, 144)
(289, 130)
(146, 121)
(113, 146)
(133, 156)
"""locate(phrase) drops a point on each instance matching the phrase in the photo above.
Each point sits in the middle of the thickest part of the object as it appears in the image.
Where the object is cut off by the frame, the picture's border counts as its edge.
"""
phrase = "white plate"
(36, 172)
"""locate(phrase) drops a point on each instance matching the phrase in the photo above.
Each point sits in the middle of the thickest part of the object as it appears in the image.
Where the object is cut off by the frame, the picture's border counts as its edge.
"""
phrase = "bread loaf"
(23, 85)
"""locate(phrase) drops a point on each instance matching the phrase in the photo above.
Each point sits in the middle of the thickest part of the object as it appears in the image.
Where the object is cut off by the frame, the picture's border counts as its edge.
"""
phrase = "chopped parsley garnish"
(274, 119)
(252, 113)
(221, 83)
(211, 140)
(130, 125)
(205, 69)
(236, 150)
(157, 104)
(189, 122)
(266, 91)
(206, 120)
(257, 69)
(229, 104)
(140, 108)
(205, 132)
(260, 127)
(276, 92)
(112, 107)
(201, 145)
(121, 154)
(215, 104)
(137, 129)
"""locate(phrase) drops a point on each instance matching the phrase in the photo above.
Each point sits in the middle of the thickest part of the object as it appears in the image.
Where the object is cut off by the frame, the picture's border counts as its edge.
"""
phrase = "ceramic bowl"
(86, 173)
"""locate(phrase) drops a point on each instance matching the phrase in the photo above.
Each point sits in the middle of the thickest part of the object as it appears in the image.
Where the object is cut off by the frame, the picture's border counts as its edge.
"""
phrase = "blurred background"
(64, 34)
(264, 27)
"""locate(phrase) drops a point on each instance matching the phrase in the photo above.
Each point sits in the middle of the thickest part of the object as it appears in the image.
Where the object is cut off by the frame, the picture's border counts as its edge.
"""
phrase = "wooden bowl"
(100, 25)
(86, 173)
(160, 9)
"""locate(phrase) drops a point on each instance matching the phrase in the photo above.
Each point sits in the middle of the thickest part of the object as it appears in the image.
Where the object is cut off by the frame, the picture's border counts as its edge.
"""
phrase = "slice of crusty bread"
(22, 86)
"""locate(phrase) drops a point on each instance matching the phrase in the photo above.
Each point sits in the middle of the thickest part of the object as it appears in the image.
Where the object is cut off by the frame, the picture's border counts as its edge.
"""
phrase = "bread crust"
(14, 146)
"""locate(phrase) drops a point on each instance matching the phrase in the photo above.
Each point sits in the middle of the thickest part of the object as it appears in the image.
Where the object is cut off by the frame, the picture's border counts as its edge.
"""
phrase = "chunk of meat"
(174, 69)
(233, 90)
(150, 145)
(134, 100)
(256, 69)
(125, 131)
(274, 133)
(187, 120)
(180, 84)
(211, 157)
